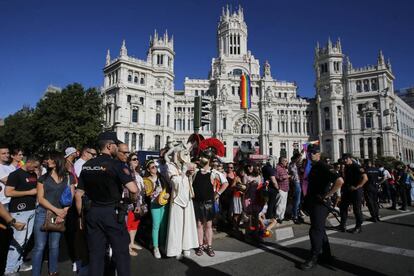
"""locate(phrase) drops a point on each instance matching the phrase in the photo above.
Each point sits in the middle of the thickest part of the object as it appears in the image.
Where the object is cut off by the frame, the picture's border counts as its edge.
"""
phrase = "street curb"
(285, 230)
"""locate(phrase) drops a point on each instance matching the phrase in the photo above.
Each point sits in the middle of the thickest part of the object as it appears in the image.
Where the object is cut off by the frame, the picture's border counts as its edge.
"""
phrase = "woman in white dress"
(182, 229)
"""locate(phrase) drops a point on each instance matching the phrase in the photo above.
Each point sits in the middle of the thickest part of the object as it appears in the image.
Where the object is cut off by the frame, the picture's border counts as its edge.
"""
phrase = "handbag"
(66, 196)
(142, 211)
(50, 224)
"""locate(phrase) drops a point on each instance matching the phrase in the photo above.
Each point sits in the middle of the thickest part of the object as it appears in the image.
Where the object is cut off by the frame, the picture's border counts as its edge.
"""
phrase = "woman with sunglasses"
(157, 189)
(133, 219)
(49, 189)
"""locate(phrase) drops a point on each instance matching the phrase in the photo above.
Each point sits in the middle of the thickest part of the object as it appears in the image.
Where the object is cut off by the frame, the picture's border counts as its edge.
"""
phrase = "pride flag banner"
(245, 92)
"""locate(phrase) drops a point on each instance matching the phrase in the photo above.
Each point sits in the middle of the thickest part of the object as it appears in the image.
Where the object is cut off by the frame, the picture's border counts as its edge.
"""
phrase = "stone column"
(365, 148)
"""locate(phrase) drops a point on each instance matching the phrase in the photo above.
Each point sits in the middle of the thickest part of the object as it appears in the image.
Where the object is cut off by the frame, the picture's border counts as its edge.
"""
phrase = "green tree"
(17, 131)
(72, 117)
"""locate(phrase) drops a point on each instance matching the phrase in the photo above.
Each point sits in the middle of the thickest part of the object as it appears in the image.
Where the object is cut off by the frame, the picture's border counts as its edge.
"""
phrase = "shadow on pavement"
(337, 265)
(195, 269)
(398, 223)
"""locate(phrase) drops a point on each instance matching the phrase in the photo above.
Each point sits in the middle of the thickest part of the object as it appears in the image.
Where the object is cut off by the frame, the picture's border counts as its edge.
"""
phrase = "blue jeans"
(20, 238)
(296, 199)
(41, 238)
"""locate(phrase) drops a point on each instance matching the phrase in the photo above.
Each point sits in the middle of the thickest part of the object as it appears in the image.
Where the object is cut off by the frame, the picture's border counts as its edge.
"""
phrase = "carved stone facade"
(142, 106)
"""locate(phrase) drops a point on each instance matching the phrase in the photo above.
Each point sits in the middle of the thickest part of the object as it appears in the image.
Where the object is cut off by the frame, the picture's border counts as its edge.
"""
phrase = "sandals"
(209, 250)
(132, 252)
(199, 250)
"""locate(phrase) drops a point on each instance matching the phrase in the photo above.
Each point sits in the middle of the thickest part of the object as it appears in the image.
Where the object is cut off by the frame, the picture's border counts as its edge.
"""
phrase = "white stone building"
(358, 109)
(355, 110)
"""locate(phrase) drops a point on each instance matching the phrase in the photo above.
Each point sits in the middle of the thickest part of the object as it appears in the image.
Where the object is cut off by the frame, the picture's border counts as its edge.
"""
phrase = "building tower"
(330, 98)
(161, 52)
(232, 33)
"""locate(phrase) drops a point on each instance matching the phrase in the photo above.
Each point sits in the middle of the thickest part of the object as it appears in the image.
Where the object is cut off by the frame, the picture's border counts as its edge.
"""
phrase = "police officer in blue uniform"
(371, 190)
(352, 193)
(317, 204)
(102, 180)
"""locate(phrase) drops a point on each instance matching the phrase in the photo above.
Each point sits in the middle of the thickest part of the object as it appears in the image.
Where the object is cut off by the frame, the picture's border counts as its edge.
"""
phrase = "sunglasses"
(153, 167)
(125, 152)
(91, 153)
(134, 159)
(231, 167)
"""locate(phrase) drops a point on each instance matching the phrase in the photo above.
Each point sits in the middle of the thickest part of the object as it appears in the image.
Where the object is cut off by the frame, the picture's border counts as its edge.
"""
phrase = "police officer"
(352, 193)
(371, 190)
(317, 205)
(102, 180)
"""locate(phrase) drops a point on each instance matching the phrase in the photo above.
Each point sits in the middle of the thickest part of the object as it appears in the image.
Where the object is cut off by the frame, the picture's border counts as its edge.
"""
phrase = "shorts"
(204, 210)
(132, 221)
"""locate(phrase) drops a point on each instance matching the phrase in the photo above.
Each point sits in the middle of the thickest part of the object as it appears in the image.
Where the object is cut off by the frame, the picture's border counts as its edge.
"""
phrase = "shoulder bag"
(50, 224)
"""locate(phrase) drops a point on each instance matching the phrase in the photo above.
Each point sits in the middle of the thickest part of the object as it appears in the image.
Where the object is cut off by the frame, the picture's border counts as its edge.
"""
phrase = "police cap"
(313, 148)
(109, 136)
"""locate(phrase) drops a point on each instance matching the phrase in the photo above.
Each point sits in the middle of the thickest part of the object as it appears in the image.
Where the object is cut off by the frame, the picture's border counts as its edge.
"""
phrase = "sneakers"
(186, 253)
(25, 267)
(403, 210)
(157, 253)
(74, 267)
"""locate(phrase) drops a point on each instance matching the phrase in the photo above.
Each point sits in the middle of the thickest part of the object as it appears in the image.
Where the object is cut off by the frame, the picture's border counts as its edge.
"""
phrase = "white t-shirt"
(387, 174)
(78, 166)
(5, 170)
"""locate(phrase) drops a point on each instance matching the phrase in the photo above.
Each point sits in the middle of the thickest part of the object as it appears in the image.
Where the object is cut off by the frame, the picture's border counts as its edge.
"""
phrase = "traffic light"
(202, 112)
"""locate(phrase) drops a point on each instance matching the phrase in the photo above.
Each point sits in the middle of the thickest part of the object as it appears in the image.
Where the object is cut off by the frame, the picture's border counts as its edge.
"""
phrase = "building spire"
(381, 60)
(329, 43)
(108, 57)
(338, 45)
(317, 48)
(124, 51)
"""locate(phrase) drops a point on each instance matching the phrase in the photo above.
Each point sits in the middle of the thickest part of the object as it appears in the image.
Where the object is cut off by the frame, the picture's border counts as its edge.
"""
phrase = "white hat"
(69, 151)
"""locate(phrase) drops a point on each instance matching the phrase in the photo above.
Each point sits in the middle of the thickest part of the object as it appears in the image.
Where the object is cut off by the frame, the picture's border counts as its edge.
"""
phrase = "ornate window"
(141, 141)
(135, 115)
(157, 142)
(366, 85)
(126, 138)
(158, 119)
(134, 141)
(358, 86)
(237, 72)
(246, 129)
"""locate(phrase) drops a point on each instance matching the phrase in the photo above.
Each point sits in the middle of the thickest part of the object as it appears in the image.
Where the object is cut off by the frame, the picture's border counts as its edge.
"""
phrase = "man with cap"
(70, 155)
(102, 180)
(352, 193)
(317, 205)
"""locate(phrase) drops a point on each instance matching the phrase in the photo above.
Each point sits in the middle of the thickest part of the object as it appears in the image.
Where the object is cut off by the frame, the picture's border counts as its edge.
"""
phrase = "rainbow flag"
(245, 92)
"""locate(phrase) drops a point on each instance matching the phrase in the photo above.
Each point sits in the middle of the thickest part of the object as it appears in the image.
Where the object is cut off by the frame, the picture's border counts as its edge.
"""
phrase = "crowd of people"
(170, 204)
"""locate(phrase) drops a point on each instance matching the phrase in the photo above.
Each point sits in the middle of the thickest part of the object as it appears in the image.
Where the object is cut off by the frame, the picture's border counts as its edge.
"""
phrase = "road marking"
(284, 233)
(225, 256)
(373, 246)
(333, 222)
(367, 214)
(222, 257)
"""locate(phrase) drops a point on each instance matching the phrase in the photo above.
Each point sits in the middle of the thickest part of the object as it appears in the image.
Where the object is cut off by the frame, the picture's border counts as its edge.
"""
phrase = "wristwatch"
(11, 223)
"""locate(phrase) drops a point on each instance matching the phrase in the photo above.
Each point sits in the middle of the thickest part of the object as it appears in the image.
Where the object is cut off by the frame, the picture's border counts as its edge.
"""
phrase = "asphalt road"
(384, 248)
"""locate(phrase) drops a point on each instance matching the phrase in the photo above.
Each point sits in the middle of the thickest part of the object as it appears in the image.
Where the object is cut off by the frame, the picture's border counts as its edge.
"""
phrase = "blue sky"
(61, 42)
